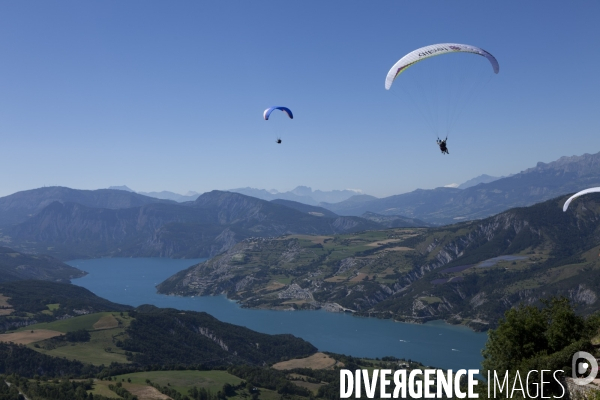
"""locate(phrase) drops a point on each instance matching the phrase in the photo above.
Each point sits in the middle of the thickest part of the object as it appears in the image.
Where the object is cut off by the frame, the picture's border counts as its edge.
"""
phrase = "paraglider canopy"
(435, 50)
(269, 110)
(440, 88)
(576, 195)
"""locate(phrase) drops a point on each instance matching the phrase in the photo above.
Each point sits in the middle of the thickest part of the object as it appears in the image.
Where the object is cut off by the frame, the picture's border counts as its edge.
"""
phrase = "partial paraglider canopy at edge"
(576, 195)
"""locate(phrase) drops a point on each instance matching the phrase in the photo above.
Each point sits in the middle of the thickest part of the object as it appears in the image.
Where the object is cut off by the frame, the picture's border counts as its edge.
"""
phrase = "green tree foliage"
(121, 391)
(268, 379)
(531, 338)
(170, 337)
(80, 335)
(15, 266)
(8, 392)
(49, 390)
(201, 394)
(520, 336)
(23, 361)
(33, 297)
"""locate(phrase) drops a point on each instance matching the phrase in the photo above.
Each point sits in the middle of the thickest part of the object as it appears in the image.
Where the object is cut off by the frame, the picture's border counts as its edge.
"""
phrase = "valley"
(290, 267)
(234, 200)
(156, 353)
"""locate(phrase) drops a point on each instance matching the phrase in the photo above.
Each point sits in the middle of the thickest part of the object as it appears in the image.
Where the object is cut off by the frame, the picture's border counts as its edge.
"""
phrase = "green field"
(101, 388)
(71, 324)
(51, 307)
(286, 280)
(182, 381)
(99, 350)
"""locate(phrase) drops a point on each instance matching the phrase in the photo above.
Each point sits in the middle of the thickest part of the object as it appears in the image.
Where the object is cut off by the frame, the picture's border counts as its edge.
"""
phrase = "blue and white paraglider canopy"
(269, 110)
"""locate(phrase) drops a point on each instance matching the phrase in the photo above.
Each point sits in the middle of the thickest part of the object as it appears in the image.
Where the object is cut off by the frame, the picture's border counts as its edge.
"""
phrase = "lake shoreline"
(133, 281)
(337, 308)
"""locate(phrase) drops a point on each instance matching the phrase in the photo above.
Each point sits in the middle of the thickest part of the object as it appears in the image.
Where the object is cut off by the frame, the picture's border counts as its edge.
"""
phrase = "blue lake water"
(132, 280)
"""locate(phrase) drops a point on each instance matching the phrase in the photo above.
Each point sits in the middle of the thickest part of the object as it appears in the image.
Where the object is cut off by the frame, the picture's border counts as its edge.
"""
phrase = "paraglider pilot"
(278, 141)
(442, 144)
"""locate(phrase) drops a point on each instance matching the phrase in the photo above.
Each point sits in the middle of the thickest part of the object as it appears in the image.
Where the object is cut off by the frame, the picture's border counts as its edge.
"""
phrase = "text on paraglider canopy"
(432, 51)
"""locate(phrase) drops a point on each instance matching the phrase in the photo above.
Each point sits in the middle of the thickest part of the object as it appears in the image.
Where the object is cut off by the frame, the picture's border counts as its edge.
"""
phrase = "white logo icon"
(583, 367)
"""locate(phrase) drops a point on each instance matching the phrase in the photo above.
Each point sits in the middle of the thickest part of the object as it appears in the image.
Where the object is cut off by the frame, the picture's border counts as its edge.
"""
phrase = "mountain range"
(134, 226)
(68, 223)
(447, 205)
(301, 194)
(477, 180)
(476, 198)
(20, 206)
(163, 195)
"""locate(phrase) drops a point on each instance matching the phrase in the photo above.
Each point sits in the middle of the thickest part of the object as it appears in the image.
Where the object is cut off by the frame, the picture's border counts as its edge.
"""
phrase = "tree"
(228, 390)
(534, 339)
(520, 335)
(564, 326)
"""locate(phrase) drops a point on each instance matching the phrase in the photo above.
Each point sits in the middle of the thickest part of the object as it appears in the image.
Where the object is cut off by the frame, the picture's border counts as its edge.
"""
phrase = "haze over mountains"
(477, 180)
(301, 194)
(446, 205)
(211, 224)
(19, 206)
(163, 195)
(476, 198)
(69, 223)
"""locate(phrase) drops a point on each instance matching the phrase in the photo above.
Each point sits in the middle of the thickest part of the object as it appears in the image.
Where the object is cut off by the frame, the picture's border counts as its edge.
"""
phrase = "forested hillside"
(16, 266)
(29, 302)
(172, 337)
(468, 273)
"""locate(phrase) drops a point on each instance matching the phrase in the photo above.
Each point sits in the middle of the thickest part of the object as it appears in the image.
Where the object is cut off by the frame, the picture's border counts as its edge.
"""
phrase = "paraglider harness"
(278, 141)
(442, 144)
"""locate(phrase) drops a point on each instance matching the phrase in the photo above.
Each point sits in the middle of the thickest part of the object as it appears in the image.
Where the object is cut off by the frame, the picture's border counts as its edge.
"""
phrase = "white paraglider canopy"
(439, 88)
(576, 195)
(435, 50)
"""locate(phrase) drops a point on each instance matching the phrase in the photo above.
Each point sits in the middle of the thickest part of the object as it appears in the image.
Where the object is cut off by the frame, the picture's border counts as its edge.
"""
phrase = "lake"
(132, 280)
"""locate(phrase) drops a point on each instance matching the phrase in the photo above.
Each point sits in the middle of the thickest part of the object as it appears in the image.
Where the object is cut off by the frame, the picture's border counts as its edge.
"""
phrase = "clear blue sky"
(162, 95)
